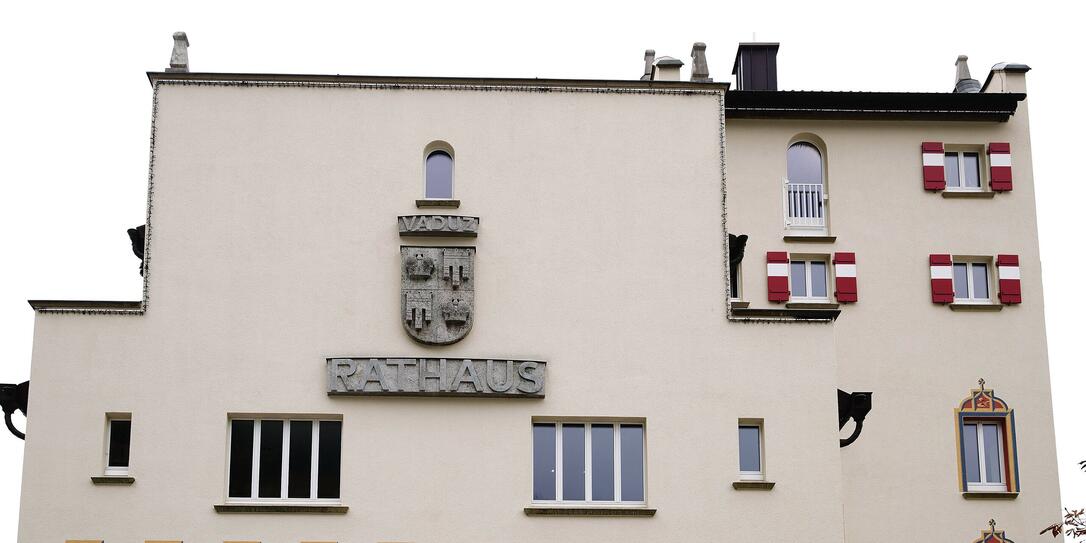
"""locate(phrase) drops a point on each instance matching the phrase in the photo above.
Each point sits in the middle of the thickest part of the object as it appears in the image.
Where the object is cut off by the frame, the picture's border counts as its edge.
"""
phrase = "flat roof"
(156, 77)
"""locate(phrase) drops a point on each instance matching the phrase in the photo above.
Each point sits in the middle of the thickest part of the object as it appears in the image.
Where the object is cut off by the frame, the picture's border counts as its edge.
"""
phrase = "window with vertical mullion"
(276, 460)
(984, 456)
(588, 463)
(971, 282)
(808, 280)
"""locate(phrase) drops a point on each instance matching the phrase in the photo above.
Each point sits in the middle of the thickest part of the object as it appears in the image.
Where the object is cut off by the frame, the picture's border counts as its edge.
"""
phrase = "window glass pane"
(804, 164)
(950, 164)
(271, 459)
(631, 446)
(818, 279)
(992, 460)
(980, 281)
(750, 454)
(301, 458)
(799, 278)
(971, 175)
(543, 461)
(734, 286)
(972, 459)
(328, 458)
(572, 461)
(120, 433)
(603, 462)
(241, 459)
(439, 175)
(961, 281)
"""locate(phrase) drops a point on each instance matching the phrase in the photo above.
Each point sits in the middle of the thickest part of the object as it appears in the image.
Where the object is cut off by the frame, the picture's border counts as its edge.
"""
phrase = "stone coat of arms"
(437, 293)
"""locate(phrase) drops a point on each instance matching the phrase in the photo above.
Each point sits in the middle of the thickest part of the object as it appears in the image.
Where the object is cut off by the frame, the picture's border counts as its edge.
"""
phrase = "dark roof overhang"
(909, 106)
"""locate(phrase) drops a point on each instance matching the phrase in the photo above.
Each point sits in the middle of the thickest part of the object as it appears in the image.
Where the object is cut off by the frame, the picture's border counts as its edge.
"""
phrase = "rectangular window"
(962, 170)
(750, 452)
(734, 291)
(984, 456)
(118, 443)
(587, 462)
(808, 280)
(971, 282)
(275, 459)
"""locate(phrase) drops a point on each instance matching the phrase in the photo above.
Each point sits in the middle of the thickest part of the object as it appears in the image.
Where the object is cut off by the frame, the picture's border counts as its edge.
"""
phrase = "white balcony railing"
(804, 205)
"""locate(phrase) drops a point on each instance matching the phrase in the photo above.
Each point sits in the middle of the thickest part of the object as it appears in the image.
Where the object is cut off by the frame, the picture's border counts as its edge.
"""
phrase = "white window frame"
(753, 475)
(439, 147)
(960, 152)
(984, 485)
(807, 259)
(117, 471)
(616, 447)
(970, 288)
(254, 490)
(738, 284)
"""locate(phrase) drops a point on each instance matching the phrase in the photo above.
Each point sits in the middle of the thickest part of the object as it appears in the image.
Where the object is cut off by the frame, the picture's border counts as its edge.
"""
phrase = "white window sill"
(983, 194)
(589, 510)
(975, 306)
(287, 507)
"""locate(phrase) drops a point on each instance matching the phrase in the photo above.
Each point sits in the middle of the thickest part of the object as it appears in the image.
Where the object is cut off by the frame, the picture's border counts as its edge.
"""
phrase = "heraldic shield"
(437, 293)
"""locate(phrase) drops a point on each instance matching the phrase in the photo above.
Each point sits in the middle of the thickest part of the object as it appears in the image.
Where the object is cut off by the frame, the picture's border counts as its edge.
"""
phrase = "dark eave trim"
(85, 306)
(916, 106)
(156, 77)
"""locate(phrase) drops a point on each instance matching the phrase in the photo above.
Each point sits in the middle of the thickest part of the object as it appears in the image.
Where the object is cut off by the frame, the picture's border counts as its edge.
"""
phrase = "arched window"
(987, 454)
(804, 188)
(804, 164)
(439, 174)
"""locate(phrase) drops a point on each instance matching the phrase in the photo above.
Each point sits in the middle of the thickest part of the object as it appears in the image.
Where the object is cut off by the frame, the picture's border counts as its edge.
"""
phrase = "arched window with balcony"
(439, 171)
(805, 187)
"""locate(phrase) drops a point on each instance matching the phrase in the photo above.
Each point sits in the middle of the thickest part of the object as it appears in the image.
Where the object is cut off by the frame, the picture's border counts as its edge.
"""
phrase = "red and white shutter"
(942, 279)
(934, 165)
(844, 272)
(1010, 280)
(777, 275)
(999, 156)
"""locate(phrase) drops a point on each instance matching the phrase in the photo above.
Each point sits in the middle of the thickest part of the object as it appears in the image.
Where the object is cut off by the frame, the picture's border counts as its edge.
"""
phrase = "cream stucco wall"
(919, 359)
(273, 245)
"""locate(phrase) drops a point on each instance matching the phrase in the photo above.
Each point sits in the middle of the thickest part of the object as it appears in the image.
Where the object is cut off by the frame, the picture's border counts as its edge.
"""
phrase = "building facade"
(385, 309)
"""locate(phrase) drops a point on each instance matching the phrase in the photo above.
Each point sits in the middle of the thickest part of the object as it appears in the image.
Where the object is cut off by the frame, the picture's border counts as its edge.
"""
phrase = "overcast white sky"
(75, 108)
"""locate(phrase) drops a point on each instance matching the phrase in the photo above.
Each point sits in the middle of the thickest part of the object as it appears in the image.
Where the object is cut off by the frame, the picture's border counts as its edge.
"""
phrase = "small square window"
(971, 282)
(118, 443)
(809, 280)
(751, 465)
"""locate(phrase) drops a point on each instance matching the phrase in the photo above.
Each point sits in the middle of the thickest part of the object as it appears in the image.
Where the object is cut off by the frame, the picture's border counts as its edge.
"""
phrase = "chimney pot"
(700, 68)
(666, 69)
(179, 60)
(963, 82)
(650, 56)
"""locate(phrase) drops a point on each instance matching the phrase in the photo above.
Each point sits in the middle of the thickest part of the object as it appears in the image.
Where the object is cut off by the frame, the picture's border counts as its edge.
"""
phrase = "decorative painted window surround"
(988, 420)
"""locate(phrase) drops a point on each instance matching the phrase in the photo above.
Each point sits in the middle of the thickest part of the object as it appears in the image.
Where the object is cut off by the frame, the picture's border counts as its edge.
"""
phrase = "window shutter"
(777, 275)
(999, 156)
(934, 169)
(942, 279)
(1010, 282)
(844, 271)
